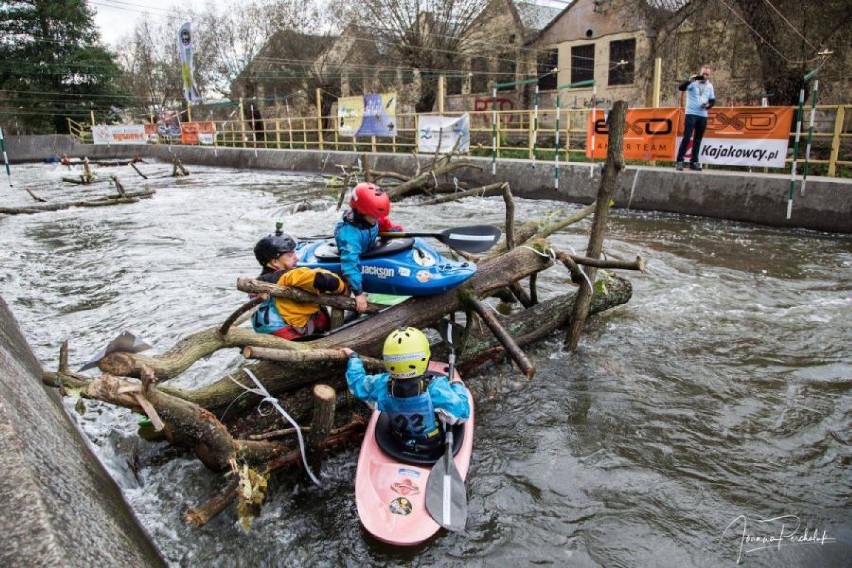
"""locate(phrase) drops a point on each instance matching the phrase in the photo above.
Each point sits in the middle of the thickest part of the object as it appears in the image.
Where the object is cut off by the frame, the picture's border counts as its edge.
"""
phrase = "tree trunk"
(614, 165)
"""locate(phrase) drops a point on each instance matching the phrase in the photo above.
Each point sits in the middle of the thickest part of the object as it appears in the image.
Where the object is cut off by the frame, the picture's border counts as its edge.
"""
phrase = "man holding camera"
(700, 97)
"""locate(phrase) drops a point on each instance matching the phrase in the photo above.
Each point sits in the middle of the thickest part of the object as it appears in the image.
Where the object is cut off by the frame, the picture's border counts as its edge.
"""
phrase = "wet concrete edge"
(62, 506)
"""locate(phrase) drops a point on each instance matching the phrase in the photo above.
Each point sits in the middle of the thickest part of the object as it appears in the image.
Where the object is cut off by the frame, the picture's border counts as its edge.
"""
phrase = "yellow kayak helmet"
(406, 353)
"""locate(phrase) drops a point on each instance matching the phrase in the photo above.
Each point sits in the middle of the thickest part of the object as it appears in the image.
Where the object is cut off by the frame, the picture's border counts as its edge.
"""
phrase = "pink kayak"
(390, 491)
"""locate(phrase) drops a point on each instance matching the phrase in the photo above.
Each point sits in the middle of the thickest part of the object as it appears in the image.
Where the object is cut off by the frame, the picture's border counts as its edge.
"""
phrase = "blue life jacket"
(267, 319)
(412, 416)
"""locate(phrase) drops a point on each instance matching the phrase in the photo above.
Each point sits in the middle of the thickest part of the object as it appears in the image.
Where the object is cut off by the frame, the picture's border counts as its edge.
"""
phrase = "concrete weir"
(738, 196)
(61, 506)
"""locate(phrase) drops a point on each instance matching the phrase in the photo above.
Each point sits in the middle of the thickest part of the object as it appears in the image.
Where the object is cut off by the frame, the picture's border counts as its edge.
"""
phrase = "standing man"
(700, 97)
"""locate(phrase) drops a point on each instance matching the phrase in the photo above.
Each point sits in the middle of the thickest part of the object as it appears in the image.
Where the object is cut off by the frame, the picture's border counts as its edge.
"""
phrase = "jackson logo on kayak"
(405, 487)
(423, 276)
(378, 271)
(400, 506)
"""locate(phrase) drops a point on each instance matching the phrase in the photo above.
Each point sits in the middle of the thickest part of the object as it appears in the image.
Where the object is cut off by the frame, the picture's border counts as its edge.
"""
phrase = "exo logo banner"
(649, 134)
(742, 136)
(745, 136)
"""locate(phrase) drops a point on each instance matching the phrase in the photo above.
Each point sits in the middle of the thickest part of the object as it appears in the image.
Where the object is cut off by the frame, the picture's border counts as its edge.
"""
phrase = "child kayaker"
(281, 316)
(413, 399)
(356, 231)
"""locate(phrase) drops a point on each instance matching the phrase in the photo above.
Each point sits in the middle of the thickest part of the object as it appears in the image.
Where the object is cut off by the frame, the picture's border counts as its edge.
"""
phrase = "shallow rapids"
(717, 398)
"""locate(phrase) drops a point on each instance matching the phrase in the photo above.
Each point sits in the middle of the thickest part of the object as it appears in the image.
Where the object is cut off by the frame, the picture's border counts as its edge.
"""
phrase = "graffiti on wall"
(487, 103)
(510, 120)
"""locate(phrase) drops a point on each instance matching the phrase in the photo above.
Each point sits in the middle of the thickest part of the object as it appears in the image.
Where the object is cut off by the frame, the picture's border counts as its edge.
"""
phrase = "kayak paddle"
(446, 498)
(473, 238)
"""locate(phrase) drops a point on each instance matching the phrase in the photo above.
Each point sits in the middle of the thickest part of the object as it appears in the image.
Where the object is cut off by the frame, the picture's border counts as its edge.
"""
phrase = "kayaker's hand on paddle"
(361, 303)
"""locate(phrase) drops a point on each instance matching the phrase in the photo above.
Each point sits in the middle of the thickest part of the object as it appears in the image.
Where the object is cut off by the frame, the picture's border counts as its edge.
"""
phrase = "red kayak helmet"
(370, 199)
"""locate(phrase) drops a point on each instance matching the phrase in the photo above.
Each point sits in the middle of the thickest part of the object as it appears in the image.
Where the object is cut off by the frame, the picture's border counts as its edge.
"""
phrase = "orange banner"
(745, 136)
(151, 133)
(650, 134)
(197, 132)
(748, 122)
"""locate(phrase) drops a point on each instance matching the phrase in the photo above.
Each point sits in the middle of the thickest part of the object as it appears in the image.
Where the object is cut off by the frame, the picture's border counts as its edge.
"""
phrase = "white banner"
(119, 134)
(762, 152)
(443, 130)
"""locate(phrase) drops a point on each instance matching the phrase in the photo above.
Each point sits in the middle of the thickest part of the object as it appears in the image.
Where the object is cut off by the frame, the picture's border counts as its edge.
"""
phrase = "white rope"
(548, 253)
(262, 392)
(583, 272)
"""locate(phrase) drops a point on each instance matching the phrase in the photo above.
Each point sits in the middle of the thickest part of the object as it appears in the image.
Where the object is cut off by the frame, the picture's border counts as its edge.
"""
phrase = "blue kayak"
(406, 267)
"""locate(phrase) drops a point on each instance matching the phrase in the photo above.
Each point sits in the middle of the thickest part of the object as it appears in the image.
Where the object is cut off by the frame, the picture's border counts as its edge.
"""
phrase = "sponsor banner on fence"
(350, 111)
(745, 136)
(441, 133)
(119, 134)
(168, 123)
(151, 134)
(370, 115)
(197, 132)
(649, 134)
(379, 115)
(735, 136)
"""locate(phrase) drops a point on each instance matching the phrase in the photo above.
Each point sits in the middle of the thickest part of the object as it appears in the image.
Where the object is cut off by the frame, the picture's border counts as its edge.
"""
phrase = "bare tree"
(789, 36)
(425, 35)
(231, 39)
(149, 59)
(786, 37)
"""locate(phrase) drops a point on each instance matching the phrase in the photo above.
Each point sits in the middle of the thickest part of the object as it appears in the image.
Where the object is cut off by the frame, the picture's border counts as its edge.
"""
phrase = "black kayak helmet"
(272, 246)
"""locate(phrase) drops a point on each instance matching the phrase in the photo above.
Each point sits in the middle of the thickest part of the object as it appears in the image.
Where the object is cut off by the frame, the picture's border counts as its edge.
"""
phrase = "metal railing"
(81, 131)
(516, 136)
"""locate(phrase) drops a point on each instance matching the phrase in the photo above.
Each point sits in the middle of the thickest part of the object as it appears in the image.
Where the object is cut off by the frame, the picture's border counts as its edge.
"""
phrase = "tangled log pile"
(218, 421)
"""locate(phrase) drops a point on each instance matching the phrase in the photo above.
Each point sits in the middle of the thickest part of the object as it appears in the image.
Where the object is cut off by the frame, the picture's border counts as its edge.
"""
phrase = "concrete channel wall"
(61, 506)
(738, 196)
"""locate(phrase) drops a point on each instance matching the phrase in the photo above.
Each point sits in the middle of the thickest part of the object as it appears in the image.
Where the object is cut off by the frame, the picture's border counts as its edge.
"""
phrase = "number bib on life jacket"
(267, 319)
(412, 417)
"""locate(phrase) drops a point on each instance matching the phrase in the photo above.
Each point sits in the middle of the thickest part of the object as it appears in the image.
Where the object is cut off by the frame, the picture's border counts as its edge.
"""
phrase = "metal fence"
(517, 135)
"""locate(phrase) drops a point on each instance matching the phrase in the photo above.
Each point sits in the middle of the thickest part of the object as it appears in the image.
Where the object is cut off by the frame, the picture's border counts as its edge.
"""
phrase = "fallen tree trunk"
(131, 197)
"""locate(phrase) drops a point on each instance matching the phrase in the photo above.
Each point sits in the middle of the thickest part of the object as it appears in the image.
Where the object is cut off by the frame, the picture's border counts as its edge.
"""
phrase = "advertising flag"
(186, 67)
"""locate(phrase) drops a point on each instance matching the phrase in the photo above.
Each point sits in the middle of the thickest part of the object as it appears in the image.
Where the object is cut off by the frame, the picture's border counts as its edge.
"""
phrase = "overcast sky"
(116, 18)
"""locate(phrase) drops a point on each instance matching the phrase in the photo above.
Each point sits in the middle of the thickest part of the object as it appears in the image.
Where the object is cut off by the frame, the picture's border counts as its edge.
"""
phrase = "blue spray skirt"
(407, 267)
